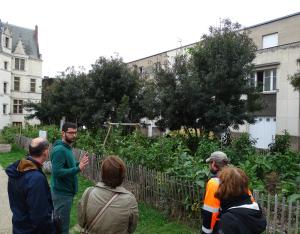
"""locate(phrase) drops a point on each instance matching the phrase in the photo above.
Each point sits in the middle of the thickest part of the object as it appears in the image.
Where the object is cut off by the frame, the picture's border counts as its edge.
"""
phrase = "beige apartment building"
(20, 73)
(277, 57)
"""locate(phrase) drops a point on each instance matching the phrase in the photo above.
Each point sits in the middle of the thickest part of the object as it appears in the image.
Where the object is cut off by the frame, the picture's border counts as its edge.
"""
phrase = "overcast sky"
(76, 33)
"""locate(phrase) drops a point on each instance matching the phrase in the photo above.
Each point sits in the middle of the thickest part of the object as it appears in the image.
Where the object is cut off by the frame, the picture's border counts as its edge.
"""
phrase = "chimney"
(36, 37)
(36, 33)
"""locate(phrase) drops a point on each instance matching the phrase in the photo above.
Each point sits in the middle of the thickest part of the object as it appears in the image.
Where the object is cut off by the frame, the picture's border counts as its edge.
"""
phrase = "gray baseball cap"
(218, 156)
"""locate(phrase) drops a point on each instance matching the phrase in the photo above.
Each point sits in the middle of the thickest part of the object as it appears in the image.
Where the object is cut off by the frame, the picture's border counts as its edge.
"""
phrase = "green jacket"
(64, 169)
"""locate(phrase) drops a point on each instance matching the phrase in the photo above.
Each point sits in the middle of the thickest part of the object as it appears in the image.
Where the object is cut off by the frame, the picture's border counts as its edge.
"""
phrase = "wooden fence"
(181, 200)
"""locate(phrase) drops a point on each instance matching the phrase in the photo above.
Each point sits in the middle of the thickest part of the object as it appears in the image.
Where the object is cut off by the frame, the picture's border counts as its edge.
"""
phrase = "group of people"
(108, 207)
(229, 207)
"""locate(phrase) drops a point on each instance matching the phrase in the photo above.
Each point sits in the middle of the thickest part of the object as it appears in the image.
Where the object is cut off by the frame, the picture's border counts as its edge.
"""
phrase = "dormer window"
(6, 42)
(19, 64)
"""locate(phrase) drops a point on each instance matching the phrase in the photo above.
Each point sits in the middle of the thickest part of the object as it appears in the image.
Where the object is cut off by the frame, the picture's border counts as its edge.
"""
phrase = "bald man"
(29, 193)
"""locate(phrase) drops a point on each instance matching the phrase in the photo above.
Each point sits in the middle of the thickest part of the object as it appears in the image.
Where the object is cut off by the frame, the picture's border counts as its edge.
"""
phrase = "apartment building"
(277, 57)
(20, 73)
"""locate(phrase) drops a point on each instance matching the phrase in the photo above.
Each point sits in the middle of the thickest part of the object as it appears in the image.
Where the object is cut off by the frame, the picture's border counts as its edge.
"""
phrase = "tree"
(209, 88)
(111, 93)
(295, 80)
(62, 96)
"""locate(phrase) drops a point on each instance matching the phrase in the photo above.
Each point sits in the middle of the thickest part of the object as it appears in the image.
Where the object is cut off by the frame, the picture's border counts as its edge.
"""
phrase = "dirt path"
(5, 213)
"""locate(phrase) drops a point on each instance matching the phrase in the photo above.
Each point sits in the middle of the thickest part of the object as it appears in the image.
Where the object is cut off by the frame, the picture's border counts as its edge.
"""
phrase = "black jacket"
(29, 198)
(241, 215)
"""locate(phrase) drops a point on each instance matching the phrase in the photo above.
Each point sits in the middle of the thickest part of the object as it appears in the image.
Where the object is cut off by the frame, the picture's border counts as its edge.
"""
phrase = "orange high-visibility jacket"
(211, 206)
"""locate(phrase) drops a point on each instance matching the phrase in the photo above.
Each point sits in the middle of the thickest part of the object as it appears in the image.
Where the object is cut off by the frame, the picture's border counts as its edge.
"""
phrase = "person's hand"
(83, 162)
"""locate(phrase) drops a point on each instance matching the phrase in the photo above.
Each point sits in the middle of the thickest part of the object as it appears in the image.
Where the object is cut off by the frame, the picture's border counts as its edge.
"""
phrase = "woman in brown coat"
(108, 207)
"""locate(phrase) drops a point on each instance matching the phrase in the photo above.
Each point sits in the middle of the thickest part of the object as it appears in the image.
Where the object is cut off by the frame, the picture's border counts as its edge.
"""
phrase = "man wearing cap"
(210, 217)
(29, 193)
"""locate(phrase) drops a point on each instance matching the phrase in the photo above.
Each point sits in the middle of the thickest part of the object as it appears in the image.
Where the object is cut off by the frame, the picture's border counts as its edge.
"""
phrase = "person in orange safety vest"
(210, 215)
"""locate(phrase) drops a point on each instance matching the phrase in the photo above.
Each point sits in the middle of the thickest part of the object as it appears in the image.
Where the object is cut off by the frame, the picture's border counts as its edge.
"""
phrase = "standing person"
(64, 183)
(210, 215)
(239, 212)
(29, 193)
(108, 207)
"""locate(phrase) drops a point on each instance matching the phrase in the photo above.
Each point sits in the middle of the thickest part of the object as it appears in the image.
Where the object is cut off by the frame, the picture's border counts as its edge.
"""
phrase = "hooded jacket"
(64, 169)
(29, 198)
(241, 215)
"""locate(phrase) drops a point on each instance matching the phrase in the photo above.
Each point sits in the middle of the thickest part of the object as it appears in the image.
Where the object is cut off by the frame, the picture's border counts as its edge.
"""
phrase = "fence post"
(282, 214)
(275, 213)
(268, 212)
(290, 216)
(297, 218)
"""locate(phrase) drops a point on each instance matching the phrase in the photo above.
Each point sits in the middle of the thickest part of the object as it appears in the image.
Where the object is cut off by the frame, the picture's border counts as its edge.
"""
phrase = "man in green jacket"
(64, 183)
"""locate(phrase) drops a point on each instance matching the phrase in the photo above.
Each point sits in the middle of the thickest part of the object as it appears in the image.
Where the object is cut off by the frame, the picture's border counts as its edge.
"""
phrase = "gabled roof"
(28, 37)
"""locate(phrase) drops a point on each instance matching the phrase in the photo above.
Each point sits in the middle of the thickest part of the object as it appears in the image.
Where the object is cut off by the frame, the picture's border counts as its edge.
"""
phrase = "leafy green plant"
(240, 149)
(205, 147)
(277, 172)
(9, 133)
(282, 143)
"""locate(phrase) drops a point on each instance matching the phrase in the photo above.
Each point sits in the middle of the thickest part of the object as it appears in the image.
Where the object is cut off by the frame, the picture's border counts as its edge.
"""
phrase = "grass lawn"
(15, 154)
(150, 220)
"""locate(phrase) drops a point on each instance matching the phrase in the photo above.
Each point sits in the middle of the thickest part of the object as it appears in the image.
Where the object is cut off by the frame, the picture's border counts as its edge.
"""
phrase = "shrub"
(240, 148)
(282, 143)
(9, 133)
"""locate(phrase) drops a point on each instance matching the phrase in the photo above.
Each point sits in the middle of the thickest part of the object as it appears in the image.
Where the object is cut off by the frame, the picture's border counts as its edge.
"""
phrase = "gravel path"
(5, 213)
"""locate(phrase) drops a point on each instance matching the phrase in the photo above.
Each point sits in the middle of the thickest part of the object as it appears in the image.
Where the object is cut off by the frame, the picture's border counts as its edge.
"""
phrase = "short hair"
(233, 183)
(36, 150)
(113, 171)
(67, 125)
(220, 164)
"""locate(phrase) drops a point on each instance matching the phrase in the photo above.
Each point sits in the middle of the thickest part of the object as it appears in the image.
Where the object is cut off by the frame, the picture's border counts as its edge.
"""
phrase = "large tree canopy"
(209, 89)
(108, 92)
(112, 93)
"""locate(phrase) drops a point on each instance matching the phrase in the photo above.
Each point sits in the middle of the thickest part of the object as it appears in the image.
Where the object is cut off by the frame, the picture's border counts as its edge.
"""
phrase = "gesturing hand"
(83, 162)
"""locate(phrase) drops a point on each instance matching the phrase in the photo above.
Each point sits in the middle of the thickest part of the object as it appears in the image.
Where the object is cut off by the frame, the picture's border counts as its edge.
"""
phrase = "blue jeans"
(62, 205)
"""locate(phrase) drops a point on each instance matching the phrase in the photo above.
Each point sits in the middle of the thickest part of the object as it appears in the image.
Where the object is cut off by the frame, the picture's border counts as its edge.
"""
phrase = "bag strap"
(99, 213)
(85, 203)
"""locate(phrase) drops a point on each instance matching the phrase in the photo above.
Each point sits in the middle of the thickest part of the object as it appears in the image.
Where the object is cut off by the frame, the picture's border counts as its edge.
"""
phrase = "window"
(270, 40)
(135, 67)
(264, 80)
(5, 87)
(157, 66)
(5, 65)
(32, 85)
(18, 106)
(19, 64)
(6, 42)
(17, 83)
(252, 80)
(17, 124)
(4, 109)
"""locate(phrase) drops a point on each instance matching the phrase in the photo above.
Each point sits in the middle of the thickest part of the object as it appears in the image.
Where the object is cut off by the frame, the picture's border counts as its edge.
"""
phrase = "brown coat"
(120, 216)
